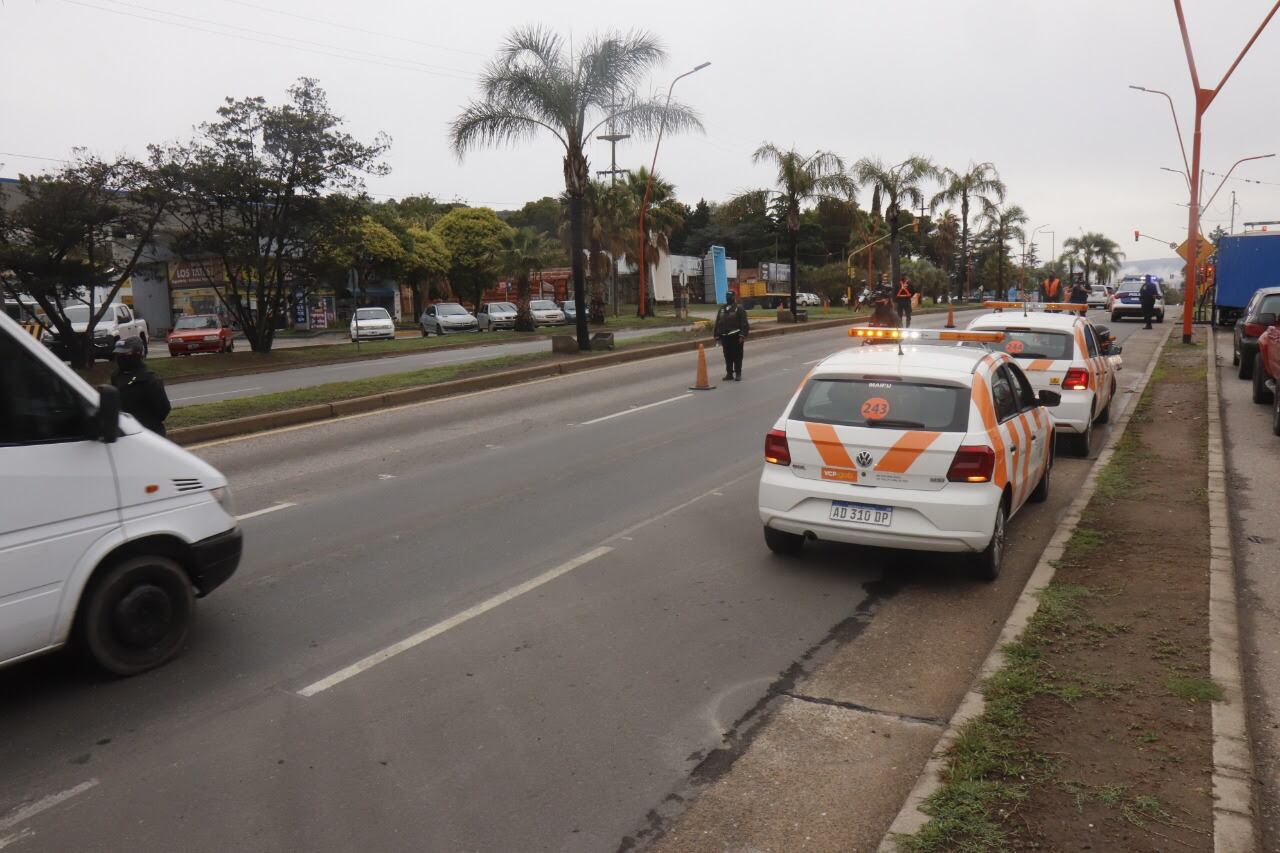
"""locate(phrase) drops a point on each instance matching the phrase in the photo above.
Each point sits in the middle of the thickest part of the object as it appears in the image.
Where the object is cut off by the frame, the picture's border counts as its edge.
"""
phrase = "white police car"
(914, 446)
(1060, 352)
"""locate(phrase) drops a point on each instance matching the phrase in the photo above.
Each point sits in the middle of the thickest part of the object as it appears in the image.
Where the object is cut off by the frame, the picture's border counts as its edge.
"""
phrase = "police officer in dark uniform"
(142, 393)
(730, 331)
(1079, 294)
(1147, 296)
(882, 313)
(902, 298)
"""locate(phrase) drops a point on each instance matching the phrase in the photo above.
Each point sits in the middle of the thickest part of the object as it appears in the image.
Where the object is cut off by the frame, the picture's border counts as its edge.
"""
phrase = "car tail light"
(1077, 379)
(974, 463)
(1254, 330)
(776, 450)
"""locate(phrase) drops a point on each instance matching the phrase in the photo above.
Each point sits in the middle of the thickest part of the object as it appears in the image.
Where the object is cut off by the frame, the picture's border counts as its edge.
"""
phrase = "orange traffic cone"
(951, 316)
(700, 382)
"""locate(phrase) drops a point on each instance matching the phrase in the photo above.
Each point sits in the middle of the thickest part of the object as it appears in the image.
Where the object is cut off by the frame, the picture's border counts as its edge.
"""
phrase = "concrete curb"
(483, 382)
(910, 819)
(1234, 826)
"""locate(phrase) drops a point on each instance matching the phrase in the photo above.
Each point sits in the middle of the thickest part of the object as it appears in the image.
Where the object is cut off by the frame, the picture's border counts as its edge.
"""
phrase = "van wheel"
(1261, 394)
(987, 565)
(781, 542)
(136, 615)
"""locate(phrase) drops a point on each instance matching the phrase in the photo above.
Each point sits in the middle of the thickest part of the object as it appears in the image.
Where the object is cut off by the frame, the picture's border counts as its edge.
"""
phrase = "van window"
(36, 406)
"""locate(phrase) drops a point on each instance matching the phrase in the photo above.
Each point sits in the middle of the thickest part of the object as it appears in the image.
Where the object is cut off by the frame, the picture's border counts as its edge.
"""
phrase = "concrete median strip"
(498, 379)
(910, 819)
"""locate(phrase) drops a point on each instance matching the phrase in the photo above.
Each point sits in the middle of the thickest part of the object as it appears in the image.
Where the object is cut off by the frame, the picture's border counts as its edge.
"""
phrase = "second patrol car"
(909, 445)
(1060, 350)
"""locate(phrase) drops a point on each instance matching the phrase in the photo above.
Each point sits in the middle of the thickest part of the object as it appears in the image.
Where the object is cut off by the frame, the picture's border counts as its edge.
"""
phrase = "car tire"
(1261, 393)
(1275, 415)
(1245, 371)
(987, 565)
(1040, 493)
(1235, 354)
(425, 333)
(781, 542)
(439, 331)
(1082, 443)
(1115, 317)
(145, 347)
(1104, 417)
(1160, 317)
(136, 615)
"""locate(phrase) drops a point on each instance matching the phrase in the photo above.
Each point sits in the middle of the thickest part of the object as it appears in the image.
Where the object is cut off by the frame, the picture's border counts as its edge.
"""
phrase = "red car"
(201, 333)
(1266, 369)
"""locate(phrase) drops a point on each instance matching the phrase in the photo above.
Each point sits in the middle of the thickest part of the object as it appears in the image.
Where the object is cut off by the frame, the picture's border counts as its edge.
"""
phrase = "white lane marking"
(26, 832)
(386, 476)
(452, 622)
(635, 409)
(258, 512)
(27, 812)
(218, 394)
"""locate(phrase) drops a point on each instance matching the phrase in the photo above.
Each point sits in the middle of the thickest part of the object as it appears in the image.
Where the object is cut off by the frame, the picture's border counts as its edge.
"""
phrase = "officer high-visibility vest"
(904, 290)
(1051, 286)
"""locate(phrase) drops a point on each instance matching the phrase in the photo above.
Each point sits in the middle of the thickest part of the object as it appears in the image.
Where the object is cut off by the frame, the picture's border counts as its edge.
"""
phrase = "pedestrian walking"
(1147, 296)
(142, 393)
(731, 330)
(903, 298)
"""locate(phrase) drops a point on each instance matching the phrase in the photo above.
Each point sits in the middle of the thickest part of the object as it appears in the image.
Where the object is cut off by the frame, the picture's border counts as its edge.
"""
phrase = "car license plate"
(853, 513)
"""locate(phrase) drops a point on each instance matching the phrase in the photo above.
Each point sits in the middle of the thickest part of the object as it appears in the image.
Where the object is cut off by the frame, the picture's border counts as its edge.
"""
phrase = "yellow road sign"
(1206, 250)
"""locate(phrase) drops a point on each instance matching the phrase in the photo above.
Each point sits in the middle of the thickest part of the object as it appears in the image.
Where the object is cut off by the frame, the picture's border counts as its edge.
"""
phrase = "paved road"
(572, 575)
(253, 384)
(1253, 470)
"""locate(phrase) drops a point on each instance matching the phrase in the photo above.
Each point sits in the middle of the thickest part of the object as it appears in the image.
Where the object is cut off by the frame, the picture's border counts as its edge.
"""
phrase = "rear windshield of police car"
(887, 404)
(1032, 343)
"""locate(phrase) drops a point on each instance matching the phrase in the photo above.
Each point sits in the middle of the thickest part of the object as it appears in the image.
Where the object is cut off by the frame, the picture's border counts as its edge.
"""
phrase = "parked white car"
(118, 323)
(496, 315)
(546, 313)
(445, 317)
(110, 532)
(372, 324)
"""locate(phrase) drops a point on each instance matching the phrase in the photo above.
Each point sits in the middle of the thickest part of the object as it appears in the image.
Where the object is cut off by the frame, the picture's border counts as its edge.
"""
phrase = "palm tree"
(980, 184)
(945, 237)
(901, 186)
(1099, 250)
(521, 253)
(538, 84)
(663, 215)
(1073, 254)
(801, 178)
(1003, 224)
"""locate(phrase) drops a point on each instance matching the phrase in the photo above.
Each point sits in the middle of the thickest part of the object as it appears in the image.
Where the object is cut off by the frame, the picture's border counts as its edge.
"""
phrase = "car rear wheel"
(1246, 365)
(136, 615)
(145, 348)
(1040, 493)
(781, 542)
(987, 565)
(1235, 354)
(1105, 415)
(1275, 415)
(1082, 442)
(1261, 393)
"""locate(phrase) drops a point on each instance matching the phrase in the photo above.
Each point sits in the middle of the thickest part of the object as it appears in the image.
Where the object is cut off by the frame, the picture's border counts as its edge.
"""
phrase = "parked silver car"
(496, 315)
(570, 309)
(445, 317)
(546, 313)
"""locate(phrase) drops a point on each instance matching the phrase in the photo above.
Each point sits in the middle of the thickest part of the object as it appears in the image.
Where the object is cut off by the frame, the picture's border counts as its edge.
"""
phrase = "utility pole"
(613, 138)
(1233, 212)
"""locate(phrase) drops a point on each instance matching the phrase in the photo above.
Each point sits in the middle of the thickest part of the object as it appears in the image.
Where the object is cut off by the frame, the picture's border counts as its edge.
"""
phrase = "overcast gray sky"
(1038, 88)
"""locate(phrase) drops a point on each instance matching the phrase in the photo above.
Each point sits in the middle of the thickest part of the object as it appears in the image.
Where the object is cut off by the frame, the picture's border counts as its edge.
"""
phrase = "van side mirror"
(106, 421)
(1267, 319)
(1049, 398)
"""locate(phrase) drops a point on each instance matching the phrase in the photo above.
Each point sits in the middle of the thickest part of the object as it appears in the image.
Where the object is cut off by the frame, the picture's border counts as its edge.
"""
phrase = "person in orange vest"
(903, 298)
(1051, 290)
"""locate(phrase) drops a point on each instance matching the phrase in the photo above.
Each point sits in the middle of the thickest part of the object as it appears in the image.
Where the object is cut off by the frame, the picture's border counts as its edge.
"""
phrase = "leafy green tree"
(75, 237)
(544, 216)
(522, 252)
(366, 247)
(538, 84)
(251, 191)
(1002, 225)
(473, 237)
(903, 186)
(427, 262)
(801, 179)
(980, 184)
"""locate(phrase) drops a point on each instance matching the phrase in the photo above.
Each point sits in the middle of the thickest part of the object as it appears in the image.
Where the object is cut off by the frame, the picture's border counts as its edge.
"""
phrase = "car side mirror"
(1267, 319)
(1049, 398)
(106, 421)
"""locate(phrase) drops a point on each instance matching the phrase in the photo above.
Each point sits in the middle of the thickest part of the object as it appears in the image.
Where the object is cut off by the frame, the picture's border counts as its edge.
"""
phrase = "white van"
(108, 532)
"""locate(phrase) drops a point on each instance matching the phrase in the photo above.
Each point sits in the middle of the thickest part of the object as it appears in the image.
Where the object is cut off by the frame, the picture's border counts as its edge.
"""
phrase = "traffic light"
(1136, 235)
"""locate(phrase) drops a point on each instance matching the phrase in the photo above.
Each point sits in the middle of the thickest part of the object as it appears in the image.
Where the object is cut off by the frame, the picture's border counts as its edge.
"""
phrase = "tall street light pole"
(1203, 98)
(644, 309)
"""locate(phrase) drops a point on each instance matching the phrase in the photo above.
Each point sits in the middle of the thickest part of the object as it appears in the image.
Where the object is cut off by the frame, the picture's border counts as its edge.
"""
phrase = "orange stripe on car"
(906, 451)
(830, 448)
(986, 408)
(1039, 364)
(1026, 456)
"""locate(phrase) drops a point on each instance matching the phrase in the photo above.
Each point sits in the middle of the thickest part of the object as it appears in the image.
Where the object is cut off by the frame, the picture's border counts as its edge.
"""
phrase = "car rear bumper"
(373, 334)
(1074, 413)
(215, 559)
(184, 347)
(1124, 309)
(956, 518)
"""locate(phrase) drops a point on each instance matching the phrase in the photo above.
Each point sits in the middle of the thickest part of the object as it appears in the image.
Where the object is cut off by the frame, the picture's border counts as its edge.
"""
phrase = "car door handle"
(1034, 437)
(1013, 448)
